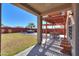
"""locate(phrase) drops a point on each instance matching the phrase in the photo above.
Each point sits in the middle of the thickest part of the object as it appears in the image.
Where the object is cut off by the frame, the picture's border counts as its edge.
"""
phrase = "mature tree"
(2, 25)
(31, 25)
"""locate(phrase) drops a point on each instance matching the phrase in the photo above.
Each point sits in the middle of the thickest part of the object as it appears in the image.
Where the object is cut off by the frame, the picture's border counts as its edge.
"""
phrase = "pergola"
(58, 19)
(53, 10)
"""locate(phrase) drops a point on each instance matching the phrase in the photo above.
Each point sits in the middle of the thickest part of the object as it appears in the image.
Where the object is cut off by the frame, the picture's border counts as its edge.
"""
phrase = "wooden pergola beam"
(58, 20)
(52, 24)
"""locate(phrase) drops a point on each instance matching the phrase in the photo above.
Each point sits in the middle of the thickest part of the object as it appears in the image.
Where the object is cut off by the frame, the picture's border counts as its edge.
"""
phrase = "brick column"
(39, 29)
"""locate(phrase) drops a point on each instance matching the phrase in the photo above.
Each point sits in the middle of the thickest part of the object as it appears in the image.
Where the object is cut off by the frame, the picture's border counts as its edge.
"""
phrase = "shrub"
(2, 30)
(9, 30)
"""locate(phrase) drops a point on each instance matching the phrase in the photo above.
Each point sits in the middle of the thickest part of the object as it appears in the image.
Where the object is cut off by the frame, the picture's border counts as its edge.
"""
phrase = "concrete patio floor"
(50, 48)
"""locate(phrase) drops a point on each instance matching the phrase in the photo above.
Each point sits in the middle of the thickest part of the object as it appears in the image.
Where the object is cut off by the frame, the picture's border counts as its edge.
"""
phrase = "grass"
(13, 43)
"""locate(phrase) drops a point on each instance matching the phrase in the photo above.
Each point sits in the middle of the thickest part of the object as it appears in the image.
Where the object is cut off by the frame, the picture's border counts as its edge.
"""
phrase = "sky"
(14, 16)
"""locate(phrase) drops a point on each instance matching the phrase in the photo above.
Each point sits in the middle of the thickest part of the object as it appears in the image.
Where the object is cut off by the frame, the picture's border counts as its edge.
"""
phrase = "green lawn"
(13, 43)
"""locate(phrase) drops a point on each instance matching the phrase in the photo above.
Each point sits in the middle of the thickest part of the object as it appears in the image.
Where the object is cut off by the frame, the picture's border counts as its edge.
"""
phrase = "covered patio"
(61, 14)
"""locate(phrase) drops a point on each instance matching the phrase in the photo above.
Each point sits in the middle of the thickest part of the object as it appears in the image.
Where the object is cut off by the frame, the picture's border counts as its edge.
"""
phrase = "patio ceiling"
(43, 8)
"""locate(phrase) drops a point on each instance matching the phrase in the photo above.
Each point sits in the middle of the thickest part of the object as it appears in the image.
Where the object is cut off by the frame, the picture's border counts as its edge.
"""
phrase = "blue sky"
(14, 16)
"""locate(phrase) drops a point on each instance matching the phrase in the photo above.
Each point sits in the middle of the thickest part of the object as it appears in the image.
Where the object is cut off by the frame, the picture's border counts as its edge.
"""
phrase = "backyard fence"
(15, 30)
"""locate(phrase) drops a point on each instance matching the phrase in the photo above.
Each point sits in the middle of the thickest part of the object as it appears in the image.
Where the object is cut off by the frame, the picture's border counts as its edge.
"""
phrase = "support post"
(75, 36)
(39, 30)
(46, 31)
(0, 31)
(64, 31)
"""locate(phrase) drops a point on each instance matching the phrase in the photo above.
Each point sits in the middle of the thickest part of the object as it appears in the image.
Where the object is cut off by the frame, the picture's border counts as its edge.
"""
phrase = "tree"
(31, 25)
(2, 25)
